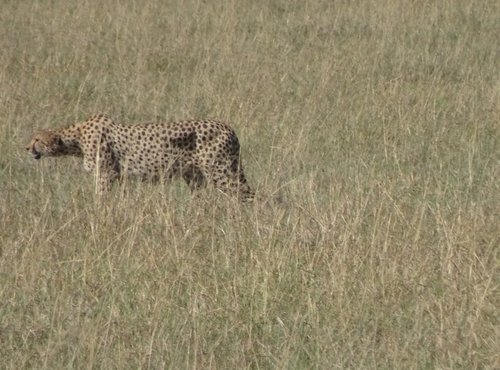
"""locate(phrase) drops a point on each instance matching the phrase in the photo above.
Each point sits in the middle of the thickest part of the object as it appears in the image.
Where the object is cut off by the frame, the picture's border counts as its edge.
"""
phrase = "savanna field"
(370, 131)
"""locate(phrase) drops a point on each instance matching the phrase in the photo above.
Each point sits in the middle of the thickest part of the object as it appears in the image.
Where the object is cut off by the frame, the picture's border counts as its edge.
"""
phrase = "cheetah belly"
(152, 163)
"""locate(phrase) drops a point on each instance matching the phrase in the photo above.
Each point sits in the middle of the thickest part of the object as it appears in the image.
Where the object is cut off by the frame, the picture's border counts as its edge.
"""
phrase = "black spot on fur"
(184, 141)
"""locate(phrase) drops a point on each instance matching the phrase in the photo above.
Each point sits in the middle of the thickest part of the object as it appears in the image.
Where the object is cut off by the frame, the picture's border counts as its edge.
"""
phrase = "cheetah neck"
(71, 138)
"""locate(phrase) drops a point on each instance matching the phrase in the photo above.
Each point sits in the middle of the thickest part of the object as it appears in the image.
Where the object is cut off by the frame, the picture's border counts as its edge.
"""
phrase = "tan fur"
(200, 151)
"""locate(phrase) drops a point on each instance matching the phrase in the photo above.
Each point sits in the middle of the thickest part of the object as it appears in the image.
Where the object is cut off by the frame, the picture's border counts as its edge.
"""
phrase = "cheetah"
(200, 151)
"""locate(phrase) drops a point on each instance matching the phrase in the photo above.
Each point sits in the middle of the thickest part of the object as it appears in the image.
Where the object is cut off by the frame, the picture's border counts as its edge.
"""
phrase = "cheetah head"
(46, 143)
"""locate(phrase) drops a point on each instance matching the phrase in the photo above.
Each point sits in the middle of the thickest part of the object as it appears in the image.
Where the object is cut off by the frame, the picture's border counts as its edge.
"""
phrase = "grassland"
(370, 130)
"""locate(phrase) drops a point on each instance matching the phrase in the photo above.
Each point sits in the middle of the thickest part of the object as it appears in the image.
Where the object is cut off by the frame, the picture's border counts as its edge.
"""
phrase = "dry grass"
(375, 122)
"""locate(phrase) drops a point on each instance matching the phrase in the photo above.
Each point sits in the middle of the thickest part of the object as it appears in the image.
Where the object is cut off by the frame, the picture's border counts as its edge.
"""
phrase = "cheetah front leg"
(106, 170)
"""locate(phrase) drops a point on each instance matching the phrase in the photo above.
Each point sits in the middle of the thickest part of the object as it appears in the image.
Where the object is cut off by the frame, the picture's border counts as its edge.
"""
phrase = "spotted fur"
(201, 151)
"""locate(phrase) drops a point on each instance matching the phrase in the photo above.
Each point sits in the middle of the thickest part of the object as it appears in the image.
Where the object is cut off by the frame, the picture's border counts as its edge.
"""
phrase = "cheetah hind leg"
(239, 184)
(194, 178)
(242, 189)
(234, 182)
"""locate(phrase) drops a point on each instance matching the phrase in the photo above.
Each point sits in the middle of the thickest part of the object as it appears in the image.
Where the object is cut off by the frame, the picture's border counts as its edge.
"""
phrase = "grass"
(370, 131)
